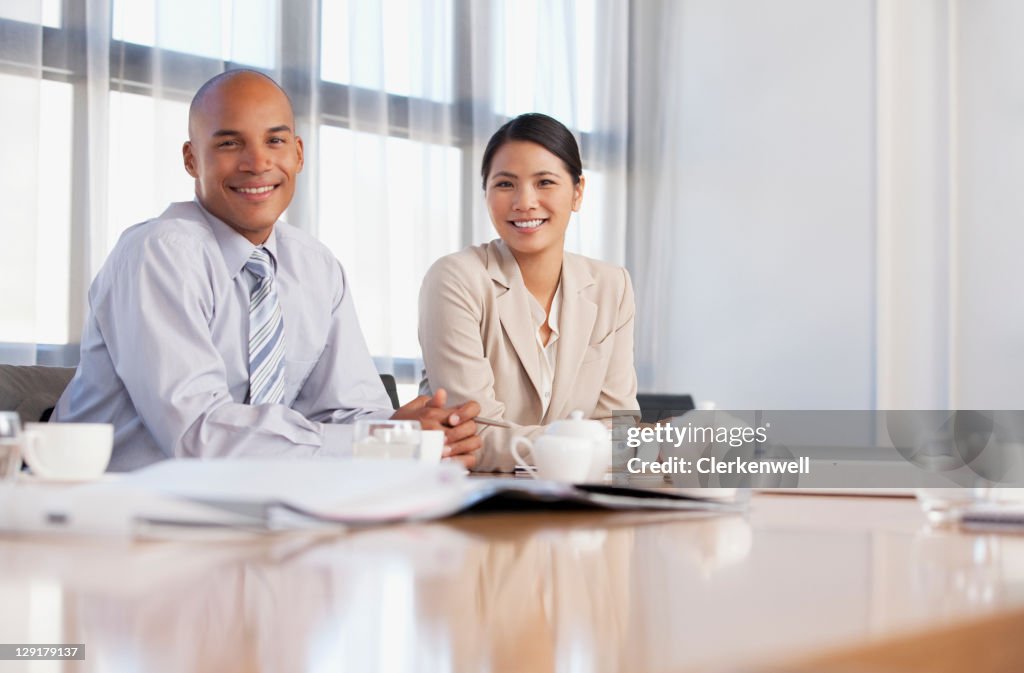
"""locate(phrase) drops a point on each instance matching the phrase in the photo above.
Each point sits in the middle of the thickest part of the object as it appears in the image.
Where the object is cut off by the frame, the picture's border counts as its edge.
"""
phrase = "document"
(282, 494)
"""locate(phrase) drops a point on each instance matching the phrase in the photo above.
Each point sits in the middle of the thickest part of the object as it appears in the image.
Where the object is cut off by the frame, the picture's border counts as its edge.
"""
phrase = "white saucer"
(29, 478)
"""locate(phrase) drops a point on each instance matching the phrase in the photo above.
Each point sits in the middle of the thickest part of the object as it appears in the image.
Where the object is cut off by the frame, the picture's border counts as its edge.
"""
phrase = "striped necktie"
(266, 333)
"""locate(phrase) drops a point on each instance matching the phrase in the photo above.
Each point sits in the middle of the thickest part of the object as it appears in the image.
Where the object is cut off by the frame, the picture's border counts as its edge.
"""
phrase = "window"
(37, 186)
(350, 27)
(525, 25)
(243, 32)
(373, 200)
(146, 166)
(47, 12)
(387, 92)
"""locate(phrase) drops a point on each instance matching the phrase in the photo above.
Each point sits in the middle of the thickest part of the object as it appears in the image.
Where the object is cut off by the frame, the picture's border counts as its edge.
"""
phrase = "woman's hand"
(460, 438)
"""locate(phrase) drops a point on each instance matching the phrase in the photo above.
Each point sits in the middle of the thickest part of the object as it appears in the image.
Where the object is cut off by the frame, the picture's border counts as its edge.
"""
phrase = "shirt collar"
(235, 248)
(537, 311)
(556, 309)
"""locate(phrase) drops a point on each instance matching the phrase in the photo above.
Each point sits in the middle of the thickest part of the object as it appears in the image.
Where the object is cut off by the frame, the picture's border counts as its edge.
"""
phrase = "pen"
(482, 420)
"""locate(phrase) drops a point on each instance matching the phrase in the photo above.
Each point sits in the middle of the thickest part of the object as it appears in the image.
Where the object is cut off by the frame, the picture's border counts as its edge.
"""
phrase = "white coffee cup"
(67, 451)
(558, 458)
(431, 446)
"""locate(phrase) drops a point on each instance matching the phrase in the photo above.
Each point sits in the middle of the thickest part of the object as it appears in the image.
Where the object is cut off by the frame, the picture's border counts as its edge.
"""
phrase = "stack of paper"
(263, 494)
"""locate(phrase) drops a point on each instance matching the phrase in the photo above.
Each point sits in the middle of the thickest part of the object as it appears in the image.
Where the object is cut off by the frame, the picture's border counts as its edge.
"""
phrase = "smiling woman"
(528, 330)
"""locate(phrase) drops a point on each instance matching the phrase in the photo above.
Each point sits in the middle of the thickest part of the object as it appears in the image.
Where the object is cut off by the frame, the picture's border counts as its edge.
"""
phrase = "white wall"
(988, 361)
(823, 202)
(771, 272)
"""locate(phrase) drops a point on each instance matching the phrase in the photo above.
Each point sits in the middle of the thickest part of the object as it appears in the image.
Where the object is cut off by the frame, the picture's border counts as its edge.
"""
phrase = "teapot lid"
(578, 425)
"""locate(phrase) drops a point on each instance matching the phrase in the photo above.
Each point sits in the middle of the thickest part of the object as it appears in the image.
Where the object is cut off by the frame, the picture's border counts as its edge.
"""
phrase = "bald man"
(217, 330)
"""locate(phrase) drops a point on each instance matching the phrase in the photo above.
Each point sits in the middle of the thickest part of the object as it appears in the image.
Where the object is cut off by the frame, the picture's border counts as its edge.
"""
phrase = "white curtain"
(395, 100)
(23, 220)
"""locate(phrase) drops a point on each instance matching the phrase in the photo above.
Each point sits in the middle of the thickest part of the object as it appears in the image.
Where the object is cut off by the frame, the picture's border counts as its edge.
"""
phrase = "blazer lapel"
(575, 325)
(514, 310)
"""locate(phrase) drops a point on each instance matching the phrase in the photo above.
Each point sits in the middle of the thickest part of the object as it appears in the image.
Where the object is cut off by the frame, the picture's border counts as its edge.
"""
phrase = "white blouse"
(549, 351)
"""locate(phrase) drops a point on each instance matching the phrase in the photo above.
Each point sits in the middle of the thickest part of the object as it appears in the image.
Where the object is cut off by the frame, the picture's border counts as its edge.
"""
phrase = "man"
(217, 330)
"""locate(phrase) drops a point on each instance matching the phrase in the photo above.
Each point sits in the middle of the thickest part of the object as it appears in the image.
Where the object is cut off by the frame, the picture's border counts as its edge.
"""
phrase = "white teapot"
(573, 449)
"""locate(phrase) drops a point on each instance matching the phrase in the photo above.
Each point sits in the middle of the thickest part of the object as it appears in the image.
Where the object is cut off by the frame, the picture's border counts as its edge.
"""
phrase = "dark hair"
(538, 128)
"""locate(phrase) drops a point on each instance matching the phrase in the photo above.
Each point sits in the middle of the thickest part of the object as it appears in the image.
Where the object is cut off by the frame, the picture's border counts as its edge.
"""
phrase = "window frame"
(64, 60)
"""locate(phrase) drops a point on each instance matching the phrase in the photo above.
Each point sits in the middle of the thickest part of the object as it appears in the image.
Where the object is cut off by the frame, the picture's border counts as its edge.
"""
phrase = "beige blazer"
(479, 343)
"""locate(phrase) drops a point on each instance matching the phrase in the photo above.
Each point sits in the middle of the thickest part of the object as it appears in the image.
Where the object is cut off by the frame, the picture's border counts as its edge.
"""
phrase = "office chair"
(32, 390)
(389, 385)
(656, 407)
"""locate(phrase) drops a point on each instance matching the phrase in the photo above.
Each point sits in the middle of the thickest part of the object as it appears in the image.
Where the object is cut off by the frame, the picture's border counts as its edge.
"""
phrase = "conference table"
(797, 583)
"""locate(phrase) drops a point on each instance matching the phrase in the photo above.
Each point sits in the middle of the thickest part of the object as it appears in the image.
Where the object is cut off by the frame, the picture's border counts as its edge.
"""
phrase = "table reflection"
(539, 592)
(496, 592)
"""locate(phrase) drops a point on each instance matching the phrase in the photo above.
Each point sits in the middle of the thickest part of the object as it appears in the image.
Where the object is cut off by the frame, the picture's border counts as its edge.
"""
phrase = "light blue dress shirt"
(165, 347)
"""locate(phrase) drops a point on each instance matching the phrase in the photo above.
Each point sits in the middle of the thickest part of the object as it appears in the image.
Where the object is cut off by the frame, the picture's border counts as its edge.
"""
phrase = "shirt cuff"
(336, 440)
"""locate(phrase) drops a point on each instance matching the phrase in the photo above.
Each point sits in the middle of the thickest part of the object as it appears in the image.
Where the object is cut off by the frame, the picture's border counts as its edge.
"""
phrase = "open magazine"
(262, 494)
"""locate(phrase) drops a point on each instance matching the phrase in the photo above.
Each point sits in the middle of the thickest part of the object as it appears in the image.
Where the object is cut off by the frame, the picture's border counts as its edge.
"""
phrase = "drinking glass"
(10, 445)
(386, 439)
(944, 506)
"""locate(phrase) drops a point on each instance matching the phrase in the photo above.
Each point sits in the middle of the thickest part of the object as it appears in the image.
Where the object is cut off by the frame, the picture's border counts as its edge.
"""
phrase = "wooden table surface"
(800, 583)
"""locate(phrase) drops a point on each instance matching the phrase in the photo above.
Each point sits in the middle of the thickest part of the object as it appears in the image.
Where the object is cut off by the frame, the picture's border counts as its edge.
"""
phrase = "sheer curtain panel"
(394, 99)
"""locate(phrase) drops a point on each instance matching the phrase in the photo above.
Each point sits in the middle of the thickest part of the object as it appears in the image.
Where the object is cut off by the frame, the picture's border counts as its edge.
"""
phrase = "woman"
(529, 331)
